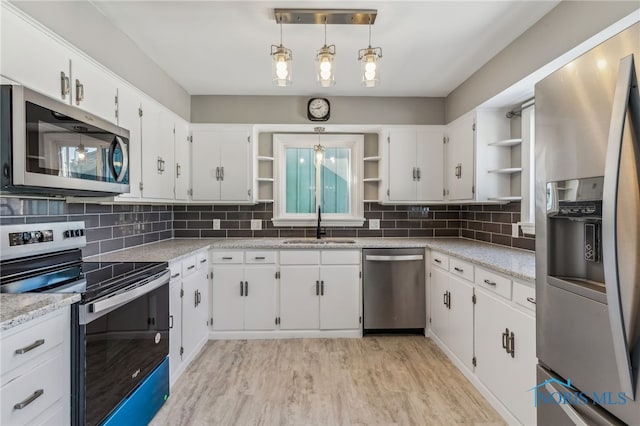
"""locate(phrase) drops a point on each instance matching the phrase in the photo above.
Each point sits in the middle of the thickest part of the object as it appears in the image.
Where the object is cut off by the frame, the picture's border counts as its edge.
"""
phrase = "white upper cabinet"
(129, 118)
(41, 61)
(157, 151)
(414, 163)
(459, 170)
(221, 164)
(182, 167)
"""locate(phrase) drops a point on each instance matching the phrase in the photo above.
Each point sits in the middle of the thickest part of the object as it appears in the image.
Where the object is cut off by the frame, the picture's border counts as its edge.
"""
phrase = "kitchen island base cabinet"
(499, 330)
(188, 311)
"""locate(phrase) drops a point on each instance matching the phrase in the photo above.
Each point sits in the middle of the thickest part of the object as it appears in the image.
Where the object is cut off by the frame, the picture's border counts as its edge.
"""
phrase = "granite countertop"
(517, 263)
(16, 309)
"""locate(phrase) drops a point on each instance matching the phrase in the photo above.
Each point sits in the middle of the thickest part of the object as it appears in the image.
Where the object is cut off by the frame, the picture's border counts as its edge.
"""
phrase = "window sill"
(326, 223)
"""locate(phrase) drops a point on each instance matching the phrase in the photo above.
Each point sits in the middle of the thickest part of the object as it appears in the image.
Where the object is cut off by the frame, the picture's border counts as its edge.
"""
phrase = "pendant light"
(370, 63)
(281, 63)
(325, 66)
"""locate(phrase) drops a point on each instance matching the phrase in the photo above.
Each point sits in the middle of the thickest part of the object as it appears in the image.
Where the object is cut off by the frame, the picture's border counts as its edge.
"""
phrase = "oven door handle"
(119, 299)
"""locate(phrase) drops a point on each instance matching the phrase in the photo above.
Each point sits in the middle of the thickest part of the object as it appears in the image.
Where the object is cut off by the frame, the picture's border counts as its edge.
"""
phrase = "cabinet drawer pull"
(64, 85)
(79, 92)
(227, 258)
(489, 282)
(531, 300)
(505, 336)
(459, 269)
(437, 260)
(29, 400)
(511, 345)
(191, 267)
(175, 275)
(321, 288)
(449, 299)
(246, 288)
(241, 288)
(203, 261)
(317, 288)
(259, 258)
(31, 347)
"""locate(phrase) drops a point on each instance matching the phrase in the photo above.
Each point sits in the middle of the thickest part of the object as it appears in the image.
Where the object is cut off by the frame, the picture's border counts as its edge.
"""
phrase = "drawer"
(340, 257)
(42, 386)
(227, 257)
(494, 282)
(188, 265)
(176, 270)
(440, 260)
(30, 342)
(524, 295)
(299, 257)
(202, 258)
(256, 256)
(461, 268)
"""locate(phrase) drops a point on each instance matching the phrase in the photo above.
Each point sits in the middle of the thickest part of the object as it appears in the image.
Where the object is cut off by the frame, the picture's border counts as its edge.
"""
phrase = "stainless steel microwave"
(51, 148)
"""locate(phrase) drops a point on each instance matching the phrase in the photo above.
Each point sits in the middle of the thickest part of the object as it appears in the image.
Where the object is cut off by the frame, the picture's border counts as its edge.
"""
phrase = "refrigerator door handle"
(626, 96)
(567, 408)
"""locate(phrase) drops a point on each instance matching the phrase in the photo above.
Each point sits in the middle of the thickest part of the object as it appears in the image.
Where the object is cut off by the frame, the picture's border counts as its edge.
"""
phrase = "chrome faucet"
(319, 231)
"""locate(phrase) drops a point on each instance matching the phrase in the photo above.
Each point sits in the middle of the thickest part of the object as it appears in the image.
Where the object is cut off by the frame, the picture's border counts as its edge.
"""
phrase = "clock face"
(318, 109)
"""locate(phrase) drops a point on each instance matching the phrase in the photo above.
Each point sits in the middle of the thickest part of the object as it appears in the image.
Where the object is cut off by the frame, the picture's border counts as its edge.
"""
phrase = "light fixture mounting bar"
(328, 16)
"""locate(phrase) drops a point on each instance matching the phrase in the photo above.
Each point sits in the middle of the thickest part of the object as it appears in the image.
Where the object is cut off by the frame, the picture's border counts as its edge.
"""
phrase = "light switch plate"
(374, 223)
(216, 223)
(515, 230)
(256, 224)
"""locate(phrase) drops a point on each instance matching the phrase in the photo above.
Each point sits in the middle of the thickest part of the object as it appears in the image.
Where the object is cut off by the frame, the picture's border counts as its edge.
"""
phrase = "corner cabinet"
(222, 164)
(413, 164)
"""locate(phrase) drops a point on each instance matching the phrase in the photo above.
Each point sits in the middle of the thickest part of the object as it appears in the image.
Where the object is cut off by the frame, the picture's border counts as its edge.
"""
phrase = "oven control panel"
(32, 237)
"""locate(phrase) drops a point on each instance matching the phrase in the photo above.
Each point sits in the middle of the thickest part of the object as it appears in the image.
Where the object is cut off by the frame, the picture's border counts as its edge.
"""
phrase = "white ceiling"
(222, 47)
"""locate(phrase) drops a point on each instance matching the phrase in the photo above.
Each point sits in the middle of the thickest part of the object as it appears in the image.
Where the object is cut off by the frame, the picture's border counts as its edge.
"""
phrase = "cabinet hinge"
(277, 274)
(190, 192)
(388, 139)
(248, 139)
(181, 292)
(116, 100)
(445, 139)
(174, 130)
(189, 138)
(360, 274)
(249, 192)
(444, 192)
(140, 112)
(360, 320)
(181, 350)
(388, 193)
(141, 186)
(429, 274)
(473, 189)
(429, 320)
(116, 112)
(473, 127)
(473, 299)
(474, 361)
(211, 321)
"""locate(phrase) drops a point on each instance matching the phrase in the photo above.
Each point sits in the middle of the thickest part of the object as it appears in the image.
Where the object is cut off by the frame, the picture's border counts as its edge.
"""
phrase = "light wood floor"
(370, 381)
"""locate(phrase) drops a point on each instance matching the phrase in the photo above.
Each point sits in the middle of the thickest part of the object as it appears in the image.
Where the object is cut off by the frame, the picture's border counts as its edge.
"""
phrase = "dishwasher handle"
(399, 258)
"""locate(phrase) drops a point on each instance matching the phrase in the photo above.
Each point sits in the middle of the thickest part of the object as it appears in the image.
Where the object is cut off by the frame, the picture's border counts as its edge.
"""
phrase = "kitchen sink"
(321, 241)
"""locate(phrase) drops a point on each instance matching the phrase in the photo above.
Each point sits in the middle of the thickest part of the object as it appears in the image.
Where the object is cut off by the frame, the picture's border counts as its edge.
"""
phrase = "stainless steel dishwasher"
(394, 289)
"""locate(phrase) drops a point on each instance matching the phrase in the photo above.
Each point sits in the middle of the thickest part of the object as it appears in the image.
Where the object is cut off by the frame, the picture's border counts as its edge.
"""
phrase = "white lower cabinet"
(319, 294)
(505, 352)
(489, 331)
(35, 385)
(188, 310)
(244, 297)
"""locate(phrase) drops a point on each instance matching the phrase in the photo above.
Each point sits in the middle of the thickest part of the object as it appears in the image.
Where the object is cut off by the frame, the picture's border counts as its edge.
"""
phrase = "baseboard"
(187, 361)
(283, 334)
(484, 391)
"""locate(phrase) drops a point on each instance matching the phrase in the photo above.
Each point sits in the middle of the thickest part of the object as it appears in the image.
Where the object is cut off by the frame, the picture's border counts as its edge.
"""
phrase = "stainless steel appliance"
(120, 328)
(48, 147)
(394, 290)
(588, 237)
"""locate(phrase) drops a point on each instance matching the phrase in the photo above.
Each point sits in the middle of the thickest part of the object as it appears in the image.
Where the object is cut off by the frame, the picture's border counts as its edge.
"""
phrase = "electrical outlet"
(216, 223)
(515, 229)
(374, 223)
(256, 224)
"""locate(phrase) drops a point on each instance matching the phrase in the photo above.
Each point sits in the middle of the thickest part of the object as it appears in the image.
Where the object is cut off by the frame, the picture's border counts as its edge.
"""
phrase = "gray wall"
(566, 26)
(292, 110)
(110, 47)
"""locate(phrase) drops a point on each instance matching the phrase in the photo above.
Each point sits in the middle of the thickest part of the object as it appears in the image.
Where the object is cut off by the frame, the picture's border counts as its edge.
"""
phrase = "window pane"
(335, 175)
(300, 180)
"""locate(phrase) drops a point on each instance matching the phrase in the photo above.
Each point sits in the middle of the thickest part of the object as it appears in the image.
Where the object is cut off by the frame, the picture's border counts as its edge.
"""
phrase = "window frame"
(353, 141)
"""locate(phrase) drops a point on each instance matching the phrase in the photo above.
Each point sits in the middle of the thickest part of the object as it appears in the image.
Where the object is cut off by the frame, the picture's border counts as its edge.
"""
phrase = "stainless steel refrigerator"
(588, 237)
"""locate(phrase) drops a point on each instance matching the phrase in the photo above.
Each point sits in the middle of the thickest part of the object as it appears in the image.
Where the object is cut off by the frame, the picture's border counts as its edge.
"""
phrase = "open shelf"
(507, 142)
(507, 170)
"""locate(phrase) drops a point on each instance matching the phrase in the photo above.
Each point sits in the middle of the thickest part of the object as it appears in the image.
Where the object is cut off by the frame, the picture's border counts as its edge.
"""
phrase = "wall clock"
(318, 109)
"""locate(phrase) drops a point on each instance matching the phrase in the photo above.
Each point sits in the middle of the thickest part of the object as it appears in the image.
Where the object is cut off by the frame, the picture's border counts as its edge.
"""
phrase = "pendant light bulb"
(325, 66)
(281, 57)
(369, 63)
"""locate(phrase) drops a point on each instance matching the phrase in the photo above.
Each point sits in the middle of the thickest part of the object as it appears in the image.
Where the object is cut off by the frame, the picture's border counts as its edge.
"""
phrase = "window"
(318, 170)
